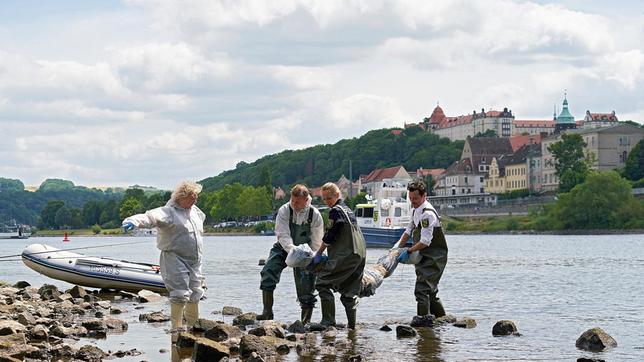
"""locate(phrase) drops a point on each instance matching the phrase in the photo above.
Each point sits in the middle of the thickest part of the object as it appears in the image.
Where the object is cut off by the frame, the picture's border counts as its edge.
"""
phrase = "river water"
(553, 287)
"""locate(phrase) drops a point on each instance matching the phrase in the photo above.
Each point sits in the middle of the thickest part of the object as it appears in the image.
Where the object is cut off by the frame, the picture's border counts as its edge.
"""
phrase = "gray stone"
(154, 317)
(465, 323)
(446, 319)
(208, 350)
(21, 284)
(584, 359)
(595, 340)
(423, 321)
(330, 333)
(48, 291)
(504, 328)
(245, 319)
(250, 343)
(262, 261)
(115, 324)
(105, 304)
(117, 310)
(204, 325)
(90, 353)
(385, 328)
(405, 332)
(11, 327)
(355, 358)
(25, 318)
(146, 296)
(186, 340)
(94, 324)
(268, 329)
(63, 297)
(132, 352)
(39, 332)
(222, 332)
(63, 350)
(255, 357)
(297, 327)
(227, 310)
(77, 292)
(282, 346)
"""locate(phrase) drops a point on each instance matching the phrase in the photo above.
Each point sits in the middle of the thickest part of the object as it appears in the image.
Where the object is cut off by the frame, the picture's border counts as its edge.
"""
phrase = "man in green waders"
(428, 238)
(346, 259)
(297, 223)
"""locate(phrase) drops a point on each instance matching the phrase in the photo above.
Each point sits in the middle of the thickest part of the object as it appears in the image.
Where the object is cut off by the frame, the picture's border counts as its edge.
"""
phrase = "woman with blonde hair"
(180, 239)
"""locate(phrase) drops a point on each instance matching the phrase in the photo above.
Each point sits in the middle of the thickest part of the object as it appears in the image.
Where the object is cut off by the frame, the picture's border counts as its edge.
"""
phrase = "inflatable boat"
(89, 271)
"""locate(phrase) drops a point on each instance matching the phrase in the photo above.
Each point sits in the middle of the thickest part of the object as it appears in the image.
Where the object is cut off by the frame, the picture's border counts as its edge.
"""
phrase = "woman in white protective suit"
(180, 238)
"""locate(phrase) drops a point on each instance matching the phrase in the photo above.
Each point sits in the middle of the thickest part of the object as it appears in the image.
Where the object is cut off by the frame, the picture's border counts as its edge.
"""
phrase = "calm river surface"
(552, 287)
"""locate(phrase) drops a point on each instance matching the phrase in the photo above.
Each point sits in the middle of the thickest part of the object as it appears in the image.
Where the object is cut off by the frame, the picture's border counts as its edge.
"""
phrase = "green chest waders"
(429, 271)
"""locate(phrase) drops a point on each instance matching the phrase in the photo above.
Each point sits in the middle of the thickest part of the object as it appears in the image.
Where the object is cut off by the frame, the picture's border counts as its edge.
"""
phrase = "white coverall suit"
(180, 239)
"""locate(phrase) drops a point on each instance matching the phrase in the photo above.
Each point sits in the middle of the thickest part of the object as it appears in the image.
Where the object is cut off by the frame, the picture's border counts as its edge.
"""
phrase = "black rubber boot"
(267, 299)
(351, 318)
(422, 309)
(436, 308)
(307, 312)
(328, 313)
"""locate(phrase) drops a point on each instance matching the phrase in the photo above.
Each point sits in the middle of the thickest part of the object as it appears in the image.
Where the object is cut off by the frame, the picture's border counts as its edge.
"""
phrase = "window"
(397, 212)
(482, 190)
(384, 213)
(368, 212)
(359, 212)
(481, 178)
(466, 179)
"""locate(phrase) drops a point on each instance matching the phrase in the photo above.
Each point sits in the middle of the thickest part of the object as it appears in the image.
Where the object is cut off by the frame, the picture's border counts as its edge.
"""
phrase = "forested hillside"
(413, 148)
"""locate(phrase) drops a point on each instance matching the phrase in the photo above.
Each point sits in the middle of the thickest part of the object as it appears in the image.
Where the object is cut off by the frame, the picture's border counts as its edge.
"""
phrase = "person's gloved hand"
(404, 256)
(317, 259)
(127, 226)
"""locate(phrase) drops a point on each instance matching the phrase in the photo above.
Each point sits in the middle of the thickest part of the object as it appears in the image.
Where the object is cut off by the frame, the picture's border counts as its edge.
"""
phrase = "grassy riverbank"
(239, 231)
(525, 224)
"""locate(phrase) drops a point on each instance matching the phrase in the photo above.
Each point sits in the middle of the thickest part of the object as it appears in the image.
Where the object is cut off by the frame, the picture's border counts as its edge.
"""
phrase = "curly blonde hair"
(332, 188)
(186, 188)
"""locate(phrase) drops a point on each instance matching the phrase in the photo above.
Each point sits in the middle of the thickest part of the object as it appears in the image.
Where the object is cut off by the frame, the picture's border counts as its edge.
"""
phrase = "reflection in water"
(428, 345)
(181, 354)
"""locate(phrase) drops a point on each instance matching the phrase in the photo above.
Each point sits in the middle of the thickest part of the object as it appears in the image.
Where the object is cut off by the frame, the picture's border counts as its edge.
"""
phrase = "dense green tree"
(413, 148)
(156, 200)
(254, 201)
(222, 204)
(77, 219)
(7, 184)
(53, 184)
(91, 212)
(48, 213)
(130, 206)
(570, 162)
(265, 178)
(360, 198)
(603, 201)
(634, 168)
(135, 193)
(63, 217)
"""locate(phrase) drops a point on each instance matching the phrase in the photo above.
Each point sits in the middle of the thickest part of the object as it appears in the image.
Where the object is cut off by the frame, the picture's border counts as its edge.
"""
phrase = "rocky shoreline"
(45, 324)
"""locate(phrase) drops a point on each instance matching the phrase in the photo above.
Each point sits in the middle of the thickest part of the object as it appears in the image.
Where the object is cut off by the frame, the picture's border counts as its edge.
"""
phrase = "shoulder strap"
(310, 219)
(290, 213)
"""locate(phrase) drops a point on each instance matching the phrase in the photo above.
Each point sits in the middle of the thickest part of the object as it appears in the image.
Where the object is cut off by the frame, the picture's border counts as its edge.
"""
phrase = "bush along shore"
(44, 323)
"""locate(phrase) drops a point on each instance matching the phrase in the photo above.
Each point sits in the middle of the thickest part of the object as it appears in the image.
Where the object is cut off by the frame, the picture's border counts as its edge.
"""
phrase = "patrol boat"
(95, 272)
(384, 219)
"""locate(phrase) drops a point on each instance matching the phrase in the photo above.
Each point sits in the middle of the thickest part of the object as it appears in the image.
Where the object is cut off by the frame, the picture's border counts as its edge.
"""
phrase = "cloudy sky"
(151, 92)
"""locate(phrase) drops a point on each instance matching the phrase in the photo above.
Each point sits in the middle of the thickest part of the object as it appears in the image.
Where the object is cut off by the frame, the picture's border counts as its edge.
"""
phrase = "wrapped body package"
(302, 255)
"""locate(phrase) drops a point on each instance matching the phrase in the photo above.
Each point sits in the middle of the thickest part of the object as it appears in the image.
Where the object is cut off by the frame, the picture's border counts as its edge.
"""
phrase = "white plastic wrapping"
(300, 256)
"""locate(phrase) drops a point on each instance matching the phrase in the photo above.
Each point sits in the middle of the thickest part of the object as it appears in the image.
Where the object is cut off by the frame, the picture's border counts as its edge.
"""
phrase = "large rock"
(297, 327)
(63, 351)
(90, 353)
(204, 325)
(154, 317)
(228, 310)
(77, 292)
(465, 323)
(21, 284)
(504, 328)
(146, 296)
(423, 321)
(11, 327)
(405, 332)
(595, 340)
(282, 346)
(246, 319)
(26, 319)
(48, 291)
(39, 332)
(208, 350)
(250, 343)
(268, 329)
(186, 340)
(222, 332)
(115, 324)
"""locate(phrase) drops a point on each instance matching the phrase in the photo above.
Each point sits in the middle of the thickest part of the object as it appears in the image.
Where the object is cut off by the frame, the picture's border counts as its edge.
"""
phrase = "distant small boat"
(95, 272)
(14, 231)
(384, 219)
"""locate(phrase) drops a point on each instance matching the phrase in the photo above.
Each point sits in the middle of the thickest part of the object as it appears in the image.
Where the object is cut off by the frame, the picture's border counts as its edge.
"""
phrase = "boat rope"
(79, 248)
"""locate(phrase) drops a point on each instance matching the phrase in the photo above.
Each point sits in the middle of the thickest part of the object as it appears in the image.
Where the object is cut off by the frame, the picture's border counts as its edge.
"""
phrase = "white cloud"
(361, 111)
